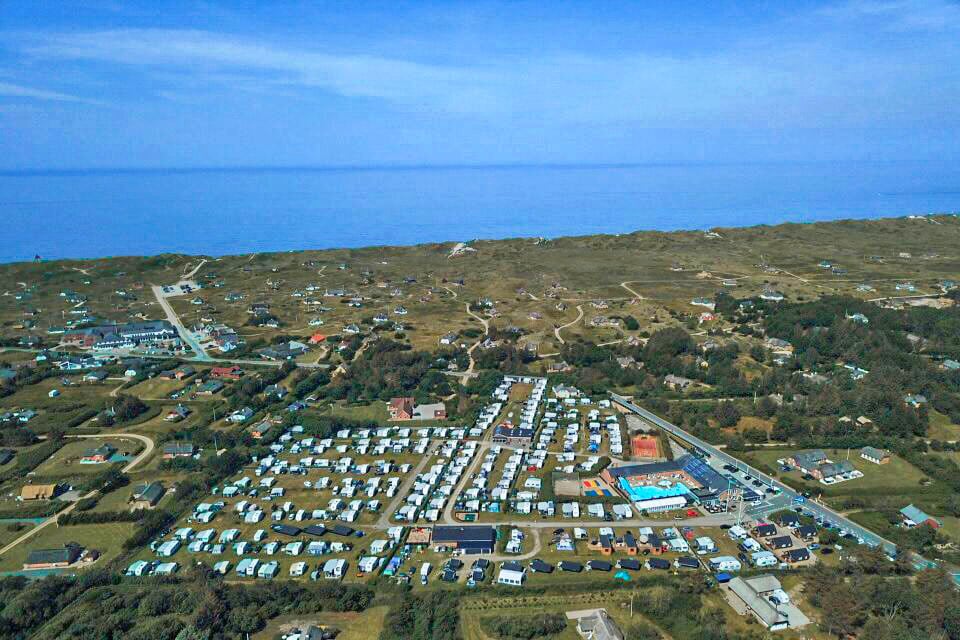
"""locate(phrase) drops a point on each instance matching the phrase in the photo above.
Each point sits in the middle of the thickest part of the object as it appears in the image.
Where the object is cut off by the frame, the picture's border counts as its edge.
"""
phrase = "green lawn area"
(106, 538)
(157, 388)
(941, 428)
(470, 619)
(9, 531)
(353, 626)
(374, 412)
(35, 396)
(896, 477)
(66, 461)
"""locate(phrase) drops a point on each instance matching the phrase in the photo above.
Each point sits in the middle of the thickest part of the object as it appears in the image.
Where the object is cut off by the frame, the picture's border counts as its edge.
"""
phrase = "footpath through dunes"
(556, 331)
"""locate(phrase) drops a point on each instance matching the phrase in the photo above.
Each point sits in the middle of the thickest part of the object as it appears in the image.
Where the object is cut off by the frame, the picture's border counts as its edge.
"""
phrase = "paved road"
(402, 491)
(787, 495)
(209, 360)
(699, 521)
(174, 319)
(143, 455)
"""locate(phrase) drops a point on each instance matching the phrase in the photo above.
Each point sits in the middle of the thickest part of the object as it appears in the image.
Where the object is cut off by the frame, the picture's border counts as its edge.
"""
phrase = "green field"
(66, 462)
(352, 626)
(106, 538)
(35, 396)
(941, 428)
(898, 477)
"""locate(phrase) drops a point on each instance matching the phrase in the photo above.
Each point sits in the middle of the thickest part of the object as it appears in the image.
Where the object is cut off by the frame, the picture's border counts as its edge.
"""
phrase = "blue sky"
(131, 83)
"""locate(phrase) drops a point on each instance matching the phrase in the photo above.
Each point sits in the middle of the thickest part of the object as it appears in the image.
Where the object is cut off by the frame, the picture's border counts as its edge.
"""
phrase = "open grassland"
(897, 476)
(65, 463)
(106, 538)
(941, 428)
(617, 604)
(36, 396)
(522, 278)
(352, 626)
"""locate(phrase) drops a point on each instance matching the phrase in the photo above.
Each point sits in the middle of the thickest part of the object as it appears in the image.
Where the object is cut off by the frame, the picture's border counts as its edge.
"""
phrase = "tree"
(727, 414)
(127, 408)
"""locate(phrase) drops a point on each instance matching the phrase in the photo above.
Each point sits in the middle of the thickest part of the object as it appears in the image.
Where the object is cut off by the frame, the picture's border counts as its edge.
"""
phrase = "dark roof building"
(286, 529)
(797, 555)
(599, 565)
(146, 495)
(806, 531)
(177, 450)
(478, 539)
(628, 563)
(512, 435)
(539, 566)
(52, 558)
(780, 542)
(697, 469)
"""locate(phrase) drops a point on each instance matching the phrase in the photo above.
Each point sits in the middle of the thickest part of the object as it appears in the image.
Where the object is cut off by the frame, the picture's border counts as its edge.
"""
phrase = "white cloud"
(781, 80)
(402, 81)
(20, 91)
(934, 15)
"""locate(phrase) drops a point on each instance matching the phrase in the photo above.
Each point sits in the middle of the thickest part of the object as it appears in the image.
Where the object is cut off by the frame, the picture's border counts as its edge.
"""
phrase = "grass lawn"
(470, 619)
(895, 478)
(35, 396)
(374, 412)
(157, 388)
(353, 626)
(66, 461)
(9, 531)
(107, 538)
(941, 428)
(753, 422)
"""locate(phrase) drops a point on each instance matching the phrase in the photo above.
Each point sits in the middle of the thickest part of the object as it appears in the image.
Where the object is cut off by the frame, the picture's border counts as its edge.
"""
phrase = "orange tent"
(317, 338)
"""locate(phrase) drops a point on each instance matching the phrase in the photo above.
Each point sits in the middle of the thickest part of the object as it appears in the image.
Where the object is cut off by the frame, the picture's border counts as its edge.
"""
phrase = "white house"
(334, 569)
(725, 563)
(511, 573)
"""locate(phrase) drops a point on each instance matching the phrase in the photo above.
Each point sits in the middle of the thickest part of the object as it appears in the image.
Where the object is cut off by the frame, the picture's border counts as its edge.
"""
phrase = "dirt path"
(626, 285)
(465, 378)
(557, 331)
(143, 455)
(503, 557)
(193, 272)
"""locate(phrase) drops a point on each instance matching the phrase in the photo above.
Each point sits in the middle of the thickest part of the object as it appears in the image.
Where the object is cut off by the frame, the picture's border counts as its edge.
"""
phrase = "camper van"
(424, 572)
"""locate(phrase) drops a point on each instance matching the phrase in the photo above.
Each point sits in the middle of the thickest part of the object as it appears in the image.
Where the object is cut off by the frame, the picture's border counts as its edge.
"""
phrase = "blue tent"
(622, 575)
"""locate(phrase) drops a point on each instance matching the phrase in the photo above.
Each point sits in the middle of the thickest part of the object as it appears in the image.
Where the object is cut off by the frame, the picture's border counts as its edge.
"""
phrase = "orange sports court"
(644, 446)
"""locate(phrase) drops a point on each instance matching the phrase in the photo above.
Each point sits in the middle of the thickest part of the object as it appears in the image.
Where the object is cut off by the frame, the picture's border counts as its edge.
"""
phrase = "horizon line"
(348, 168)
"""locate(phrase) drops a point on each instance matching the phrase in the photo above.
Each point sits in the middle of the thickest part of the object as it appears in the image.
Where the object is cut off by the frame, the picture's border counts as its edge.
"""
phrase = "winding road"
(143, 455)
(466, 375)
(579, 317)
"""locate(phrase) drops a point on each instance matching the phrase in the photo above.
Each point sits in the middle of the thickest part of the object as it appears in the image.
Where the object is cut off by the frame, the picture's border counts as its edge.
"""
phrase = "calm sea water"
(95, 214)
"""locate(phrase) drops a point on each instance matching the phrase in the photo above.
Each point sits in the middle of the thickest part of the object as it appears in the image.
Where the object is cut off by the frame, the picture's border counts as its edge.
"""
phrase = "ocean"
(86, 214)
